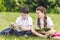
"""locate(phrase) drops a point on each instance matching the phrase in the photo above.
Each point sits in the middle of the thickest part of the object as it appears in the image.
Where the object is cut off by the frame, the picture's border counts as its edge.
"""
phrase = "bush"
(10, 5)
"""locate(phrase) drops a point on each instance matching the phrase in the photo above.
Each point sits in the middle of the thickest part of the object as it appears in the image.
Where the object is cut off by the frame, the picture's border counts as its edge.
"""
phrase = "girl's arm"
(36, 33)
(51, 31)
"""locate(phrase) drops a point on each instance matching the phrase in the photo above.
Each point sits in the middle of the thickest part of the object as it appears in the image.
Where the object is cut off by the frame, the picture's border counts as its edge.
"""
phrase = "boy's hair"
(25, 10)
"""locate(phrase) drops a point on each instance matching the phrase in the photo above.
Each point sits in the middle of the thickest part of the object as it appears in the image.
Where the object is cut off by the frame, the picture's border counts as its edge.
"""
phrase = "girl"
(44, 22)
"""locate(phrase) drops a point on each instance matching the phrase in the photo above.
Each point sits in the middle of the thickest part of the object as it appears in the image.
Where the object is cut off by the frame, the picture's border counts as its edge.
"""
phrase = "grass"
(7, 17)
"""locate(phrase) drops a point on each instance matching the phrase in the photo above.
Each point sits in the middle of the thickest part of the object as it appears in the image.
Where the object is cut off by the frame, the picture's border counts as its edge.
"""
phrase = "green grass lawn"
(7, 17)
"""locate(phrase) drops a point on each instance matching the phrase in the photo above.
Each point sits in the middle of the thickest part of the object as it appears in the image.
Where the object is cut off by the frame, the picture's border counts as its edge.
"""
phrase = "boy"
(23, 22)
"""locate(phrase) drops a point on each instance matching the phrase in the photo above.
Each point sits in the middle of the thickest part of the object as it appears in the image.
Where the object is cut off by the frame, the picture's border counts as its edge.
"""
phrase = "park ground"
(7, 17)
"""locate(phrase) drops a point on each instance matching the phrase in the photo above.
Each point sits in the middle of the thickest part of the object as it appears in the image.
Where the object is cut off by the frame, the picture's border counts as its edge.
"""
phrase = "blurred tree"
(14, 5)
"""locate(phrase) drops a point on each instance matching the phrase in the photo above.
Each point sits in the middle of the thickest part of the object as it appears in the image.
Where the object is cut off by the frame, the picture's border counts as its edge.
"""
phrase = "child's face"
(24, 15)
(39, 14)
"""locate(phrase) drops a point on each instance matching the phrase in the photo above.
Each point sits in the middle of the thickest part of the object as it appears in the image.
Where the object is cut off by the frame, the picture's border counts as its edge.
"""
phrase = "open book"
(16, 27)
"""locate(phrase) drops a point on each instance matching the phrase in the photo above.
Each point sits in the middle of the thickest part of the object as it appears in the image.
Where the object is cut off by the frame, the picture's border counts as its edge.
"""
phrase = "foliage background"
(10, 5)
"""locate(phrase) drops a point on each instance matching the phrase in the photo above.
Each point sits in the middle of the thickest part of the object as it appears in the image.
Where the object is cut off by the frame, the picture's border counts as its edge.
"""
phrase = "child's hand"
(11, 25)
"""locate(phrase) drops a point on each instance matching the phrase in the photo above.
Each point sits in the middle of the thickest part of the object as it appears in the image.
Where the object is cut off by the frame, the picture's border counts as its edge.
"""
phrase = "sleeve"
(30, 22)
(49, 23)
(18, 21)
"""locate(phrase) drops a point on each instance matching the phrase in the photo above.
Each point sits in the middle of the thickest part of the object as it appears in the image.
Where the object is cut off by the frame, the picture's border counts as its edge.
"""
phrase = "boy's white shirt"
(49, 23)
(25, 23)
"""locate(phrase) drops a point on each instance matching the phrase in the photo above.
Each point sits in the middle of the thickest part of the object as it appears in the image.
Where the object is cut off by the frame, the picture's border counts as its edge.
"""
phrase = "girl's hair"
(42, 9)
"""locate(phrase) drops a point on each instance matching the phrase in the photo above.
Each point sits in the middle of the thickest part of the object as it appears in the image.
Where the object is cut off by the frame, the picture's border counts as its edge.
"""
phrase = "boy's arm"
(23, 28)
